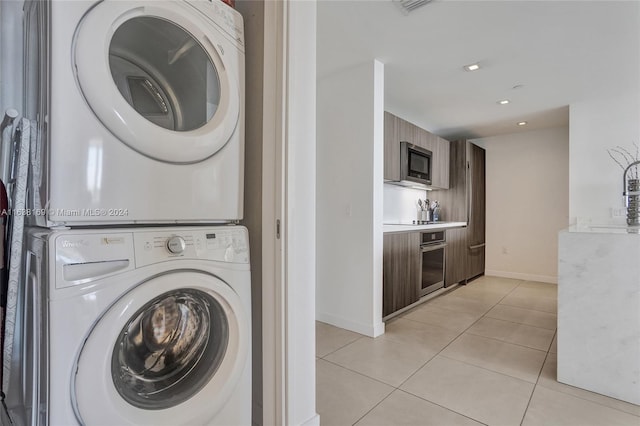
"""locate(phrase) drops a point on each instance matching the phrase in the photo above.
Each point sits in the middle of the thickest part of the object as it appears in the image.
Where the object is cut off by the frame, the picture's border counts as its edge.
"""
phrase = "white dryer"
(141, 111)
(135, 327)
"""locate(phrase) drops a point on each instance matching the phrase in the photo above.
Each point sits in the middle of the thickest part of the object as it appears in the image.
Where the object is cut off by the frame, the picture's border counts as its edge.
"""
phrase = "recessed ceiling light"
(472, 67)
(503, 102)
(522, 123)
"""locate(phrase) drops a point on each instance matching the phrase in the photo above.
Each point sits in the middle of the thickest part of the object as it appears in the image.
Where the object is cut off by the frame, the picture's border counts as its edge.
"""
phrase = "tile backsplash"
(400, 203)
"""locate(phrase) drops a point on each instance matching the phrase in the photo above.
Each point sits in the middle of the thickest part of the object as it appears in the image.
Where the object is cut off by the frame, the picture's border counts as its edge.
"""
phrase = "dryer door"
(157, 75)
(170, 351)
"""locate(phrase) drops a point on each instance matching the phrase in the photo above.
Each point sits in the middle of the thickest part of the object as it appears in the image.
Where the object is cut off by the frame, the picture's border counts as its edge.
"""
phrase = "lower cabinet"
(401, 271)
(455, 270)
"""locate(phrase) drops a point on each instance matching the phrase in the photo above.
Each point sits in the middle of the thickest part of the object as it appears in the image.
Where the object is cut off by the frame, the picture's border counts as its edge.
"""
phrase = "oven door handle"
(431, 247)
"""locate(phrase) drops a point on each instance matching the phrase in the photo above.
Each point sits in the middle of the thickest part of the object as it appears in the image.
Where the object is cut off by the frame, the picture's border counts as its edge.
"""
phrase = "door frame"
(288, 281)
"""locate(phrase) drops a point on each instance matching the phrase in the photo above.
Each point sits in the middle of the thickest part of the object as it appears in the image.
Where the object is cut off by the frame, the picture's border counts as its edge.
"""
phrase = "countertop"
(598, 305)
(390, 228)
(603, 229)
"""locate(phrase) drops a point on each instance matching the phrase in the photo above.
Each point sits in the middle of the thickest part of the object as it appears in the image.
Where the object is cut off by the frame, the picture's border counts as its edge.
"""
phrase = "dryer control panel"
(228, 244)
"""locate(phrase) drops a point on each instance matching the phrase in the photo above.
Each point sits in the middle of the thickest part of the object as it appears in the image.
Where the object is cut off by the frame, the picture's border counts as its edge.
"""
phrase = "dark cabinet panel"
(477, 207)
(415, 267)
(400, 271)
(456, 256)
(391, 147)
(397, 130)
(407, 132)
(441, 166)
(464, 201)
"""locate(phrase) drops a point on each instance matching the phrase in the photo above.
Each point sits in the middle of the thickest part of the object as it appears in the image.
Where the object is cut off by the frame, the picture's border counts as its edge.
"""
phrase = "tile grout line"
(511, 343)
(446, 346)
(519, 323)
(454, 339)
(535, 385)
(531, 309)
(372, 408)
(487, 369)
(490, 370)
(524, 415)
(397, 388)
(359, 373)
(577, 396)
(590, 400)
(343, 346)
(441, 406)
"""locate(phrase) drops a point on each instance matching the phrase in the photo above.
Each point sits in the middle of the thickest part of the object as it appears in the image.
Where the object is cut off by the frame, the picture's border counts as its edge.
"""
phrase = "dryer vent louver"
(407, 6)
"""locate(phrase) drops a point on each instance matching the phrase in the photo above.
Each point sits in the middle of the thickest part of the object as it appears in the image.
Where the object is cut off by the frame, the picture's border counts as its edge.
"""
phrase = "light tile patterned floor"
(484, 353)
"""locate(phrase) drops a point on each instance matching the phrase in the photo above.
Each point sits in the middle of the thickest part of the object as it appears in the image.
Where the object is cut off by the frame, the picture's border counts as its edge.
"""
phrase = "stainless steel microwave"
(415, 164)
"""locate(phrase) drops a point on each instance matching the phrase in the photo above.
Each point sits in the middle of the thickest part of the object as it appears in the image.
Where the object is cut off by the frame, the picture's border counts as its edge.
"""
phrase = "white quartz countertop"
(604, 229)
(389, 228)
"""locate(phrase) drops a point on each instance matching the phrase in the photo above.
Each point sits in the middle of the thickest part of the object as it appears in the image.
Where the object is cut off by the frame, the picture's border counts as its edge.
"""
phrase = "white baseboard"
(371, 330)
(313, 421)
(521, 276)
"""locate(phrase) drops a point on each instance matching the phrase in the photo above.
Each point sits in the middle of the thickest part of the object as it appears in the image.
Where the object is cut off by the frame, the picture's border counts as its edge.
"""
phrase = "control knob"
(176, 244)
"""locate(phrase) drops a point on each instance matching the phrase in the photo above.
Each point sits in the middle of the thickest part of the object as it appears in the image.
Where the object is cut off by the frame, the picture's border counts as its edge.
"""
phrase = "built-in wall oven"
(432, 247)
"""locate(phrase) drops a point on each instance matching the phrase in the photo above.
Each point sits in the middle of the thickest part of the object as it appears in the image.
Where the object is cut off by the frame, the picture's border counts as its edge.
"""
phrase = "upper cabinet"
(391, 147)
(397, 130)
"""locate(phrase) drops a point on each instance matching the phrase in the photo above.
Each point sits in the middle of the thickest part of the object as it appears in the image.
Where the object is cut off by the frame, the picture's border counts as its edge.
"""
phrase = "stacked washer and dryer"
(134, 307)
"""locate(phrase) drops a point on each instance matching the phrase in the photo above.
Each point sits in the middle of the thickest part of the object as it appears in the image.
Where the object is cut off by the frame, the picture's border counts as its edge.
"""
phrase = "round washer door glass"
(164, 82)
(169, 349)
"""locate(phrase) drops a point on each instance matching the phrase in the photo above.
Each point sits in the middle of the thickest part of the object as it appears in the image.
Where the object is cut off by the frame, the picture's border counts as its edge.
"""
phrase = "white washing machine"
(141, 111)
(135, 327)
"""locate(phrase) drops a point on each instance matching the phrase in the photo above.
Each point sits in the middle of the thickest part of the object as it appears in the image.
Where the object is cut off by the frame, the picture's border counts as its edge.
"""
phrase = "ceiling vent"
(407, 6)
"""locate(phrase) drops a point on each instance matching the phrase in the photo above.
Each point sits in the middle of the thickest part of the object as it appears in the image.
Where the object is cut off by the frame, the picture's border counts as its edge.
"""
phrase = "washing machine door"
(170, 351)
(158, 76)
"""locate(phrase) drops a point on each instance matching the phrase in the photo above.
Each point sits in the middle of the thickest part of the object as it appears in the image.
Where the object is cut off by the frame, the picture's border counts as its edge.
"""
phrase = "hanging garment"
(24, 132)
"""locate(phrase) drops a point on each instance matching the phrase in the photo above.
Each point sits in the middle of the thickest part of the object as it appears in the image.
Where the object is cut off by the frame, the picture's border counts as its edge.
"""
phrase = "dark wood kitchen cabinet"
(464, 201)
(477, 207)
(456, 257)
(397, 130)
(391, 154)
(400, 271)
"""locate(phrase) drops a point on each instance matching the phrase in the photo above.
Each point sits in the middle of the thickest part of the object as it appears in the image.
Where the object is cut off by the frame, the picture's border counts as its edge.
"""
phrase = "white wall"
(300, 215)
(350, 117)
(595, 179)
(401, 204)
(527, 177)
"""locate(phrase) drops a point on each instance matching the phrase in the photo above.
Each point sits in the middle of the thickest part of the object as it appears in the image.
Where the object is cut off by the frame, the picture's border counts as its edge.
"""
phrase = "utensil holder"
(633, 202)
(631, 188)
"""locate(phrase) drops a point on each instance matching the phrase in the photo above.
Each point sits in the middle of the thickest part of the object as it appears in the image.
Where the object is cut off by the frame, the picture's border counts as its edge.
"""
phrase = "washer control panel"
(225, 17)
(223, 243)
(176, 244)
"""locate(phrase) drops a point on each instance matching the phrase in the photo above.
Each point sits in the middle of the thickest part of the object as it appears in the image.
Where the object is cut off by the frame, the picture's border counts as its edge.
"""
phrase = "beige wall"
(527, 202)
(253, 14)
